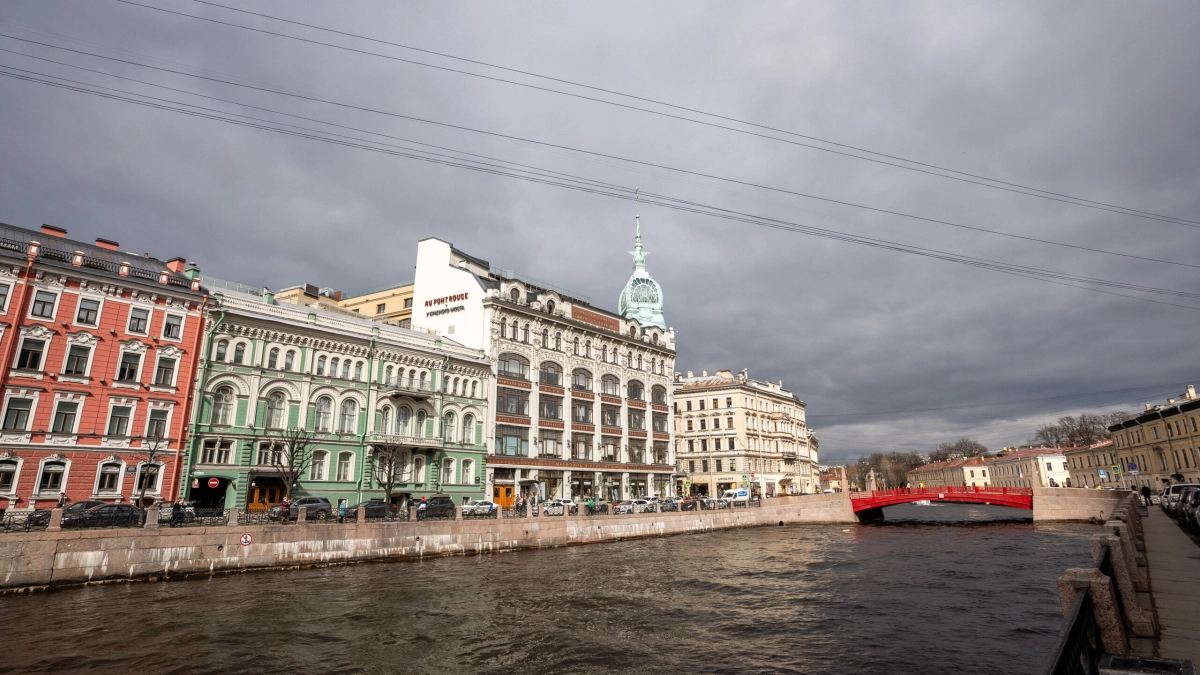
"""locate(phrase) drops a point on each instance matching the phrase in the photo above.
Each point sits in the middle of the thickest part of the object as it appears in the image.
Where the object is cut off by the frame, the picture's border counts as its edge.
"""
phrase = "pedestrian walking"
(285, 510)
(341, 510)
(62, 499)
(1146, 494)
(177, 513)
(421, 509)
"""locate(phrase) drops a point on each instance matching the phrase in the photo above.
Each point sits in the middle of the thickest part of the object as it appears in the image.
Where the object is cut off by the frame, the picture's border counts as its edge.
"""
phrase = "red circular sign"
(213, 482)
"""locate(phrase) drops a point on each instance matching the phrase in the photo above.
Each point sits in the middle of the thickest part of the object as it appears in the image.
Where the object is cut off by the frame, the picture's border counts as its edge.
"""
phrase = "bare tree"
(290, 456)
(892, 467)
(1087, 429)
(153, 447)
(963, 447)
(390, 461)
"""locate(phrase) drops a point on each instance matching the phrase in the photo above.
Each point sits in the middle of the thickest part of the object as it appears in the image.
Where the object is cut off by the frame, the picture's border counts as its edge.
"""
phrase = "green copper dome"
(642, 297)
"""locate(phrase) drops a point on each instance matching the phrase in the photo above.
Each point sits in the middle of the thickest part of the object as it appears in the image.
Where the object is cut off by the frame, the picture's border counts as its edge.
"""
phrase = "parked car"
(1170, 496)
(1189, 511)
(736, 497)
(105, 515)
(479, 507)
(376, 508)
(437, 506)
(41, 517)
(318, 508)
(1186, 497)
(571, 507)
(632, 506)
(668, 504)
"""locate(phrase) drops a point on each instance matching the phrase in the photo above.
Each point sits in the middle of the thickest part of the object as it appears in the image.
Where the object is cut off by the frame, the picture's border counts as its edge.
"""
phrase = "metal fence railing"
(1078, 649)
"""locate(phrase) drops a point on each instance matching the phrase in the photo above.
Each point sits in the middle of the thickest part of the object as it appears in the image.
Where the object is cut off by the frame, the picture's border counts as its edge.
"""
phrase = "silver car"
(1170, 496)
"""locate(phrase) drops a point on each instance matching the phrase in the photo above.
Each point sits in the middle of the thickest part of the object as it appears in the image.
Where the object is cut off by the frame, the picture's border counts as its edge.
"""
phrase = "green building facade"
(356, 386)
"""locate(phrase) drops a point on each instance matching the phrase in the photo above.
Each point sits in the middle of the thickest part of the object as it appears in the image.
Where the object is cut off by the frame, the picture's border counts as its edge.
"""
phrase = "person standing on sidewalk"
(1146, 494)
(62, 499)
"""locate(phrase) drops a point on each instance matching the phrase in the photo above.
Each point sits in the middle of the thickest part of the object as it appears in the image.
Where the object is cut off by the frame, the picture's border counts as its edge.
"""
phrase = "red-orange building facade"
(99, 351)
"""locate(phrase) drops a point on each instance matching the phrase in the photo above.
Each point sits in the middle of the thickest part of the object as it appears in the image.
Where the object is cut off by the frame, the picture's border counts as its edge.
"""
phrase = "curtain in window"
(402, 417)
(276, 406)
(324, 413)
(222, 411)
(349, 416)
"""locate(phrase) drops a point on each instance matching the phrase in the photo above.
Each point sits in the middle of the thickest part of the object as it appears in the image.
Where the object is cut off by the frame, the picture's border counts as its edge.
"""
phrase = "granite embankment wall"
(69, 557)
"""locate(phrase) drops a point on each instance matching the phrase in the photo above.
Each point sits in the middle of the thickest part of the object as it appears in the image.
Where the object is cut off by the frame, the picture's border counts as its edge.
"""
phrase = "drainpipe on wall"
(15, 331)
(362, 439)
(185, 439)
(204, 362)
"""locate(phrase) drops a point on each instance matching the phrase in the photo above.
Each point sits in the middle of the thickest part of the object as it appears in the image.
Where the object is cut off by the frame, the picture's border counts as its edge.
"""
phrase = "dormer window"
(515, 295)
(550, 306)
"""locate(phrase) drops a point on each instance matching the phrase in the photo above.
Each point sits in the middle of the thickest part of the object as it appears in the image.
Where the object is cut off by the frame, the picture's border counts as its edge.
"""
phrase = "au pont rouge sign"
(445, 301)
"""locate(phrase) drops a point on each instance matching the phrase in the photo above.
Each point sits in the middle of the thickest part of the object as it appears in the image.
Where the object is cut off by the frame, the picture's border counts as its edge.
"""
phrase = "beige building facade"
(1093, 466)
(1034, 467)
(393, 303)
(1160, 445)
(957, 472)
(735, 432)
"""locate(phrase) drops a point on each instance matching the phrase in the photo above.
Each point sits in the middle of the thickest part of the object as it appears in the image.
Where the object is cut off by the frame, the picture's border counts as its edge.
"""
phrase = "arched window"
(550, 306)
(448, 471)
(503, 328)
(610, 385)
(558, 342)
(659, 395)
(654, 338)
(468, 437)
(324, 414)
(633, 331)
(629, 361)
(551, 373)
(346, 369)
(273, 359)
(276, 407)
(445, 383)
(222, 412)
(420, 430)
(385, 419)
(448, 428)
(387, 375)
(639, 362)
(345, 466)
(8, 476)
(239, 352)
(635, 390)
(358, 370)
(51, 480)
(512, 365)
(333, 367)
(474, 388)
(349, 423)
(524, 333)
(412, 377)
(514, 295)
(316, 469)
(515, 330)
(455, 390)
(403, 415)
(222, 348)
(546, 338)
(575, 346)
(587, 349)
(604, 353)
(468, 472)
(581, 380)
(421, 385)
(289, 360)
(320, 365)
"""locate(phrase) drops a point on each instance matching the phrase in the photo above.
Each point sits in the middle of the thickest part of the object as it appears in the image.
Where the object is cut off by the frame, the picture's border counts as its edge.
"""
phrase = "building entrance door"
(503, 496)
(204, 497)
(265, 492)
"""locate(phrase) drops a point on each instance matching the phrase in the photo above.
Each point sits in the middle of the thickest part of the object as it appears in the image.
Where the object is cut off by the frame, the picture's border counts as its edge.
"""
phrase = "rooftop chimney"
(704, 373)
(176, 265)
(690, 374)
(54, 231)
(107, 244)
(1191, 392)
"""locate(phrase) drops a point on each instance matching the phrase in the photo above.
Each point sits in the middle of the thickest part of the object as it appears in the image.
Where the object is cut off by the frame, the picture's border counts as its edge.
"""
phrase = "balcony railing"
(398, 439)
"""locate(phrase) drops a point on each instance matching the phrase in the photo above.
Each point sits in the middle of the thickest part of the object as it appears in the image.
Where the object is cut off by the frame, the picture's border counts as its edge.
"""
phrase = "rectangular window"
(551, 443)
(610, 416)
(89, 312)
(164, 374)
(270, 454)
(51, 478)
(512, 402)
(30, 357)
(157, 425)
(512, 441)
(128, 371)
(118, 421)
(343, 466)
(138, 320)
(110, 476)
(691, 446)
(16, 418)
(718, 466)
(729, 402)
(550, 408)
(173, 327)
(381, 308)
(77, 360)
(43, 305)
(704, 465)
(64, 418)
(408, 303)
(4, 288)
(610, 447)
(704, 445)
(637, 420)
(216, 452)
(660, 423)
(581, 412)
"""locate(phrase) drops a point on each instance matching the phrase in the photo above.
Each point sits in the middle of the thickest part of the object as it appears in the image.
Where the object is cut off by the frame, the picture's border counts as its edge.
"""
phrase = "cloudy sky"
(892, 351)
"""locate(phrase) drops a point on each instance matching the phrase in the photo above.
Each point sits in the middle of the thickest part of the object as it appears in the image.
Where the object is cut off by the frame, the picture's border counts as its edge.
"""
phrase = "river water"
(918, 594)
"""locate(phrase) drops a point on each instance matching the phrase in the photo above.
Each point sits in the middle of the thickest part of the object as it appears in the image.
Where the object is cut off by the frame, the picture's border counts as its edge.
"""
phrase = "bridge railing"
(947, 490)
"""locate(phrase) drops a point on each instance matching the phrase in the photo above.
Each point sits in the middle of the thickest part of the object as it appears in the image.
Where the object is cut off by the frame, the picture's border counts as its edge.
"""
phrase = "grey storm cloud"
(891, 351)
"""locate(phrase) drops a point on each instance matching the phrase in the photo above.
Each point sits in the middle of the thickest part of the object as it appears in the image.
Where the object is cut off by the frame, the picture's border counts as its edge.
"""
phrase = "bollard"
(457, 512)
(55, 521)
(1139, 621)
(232, 521)
(528, 509)
(362, 514)
(1104, 604)
(302, 515)
(151, 517)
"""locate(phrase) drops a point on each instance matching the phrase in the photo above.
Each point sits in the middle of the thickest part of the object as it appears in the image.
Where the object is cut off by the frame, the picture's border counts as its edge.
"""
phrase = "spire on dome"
(642, 297)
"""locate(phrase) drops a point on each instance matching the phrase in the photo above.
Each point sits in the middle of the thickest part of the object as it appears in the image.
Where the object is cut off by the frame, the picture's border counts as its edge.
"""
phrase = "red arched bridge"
(869, 505)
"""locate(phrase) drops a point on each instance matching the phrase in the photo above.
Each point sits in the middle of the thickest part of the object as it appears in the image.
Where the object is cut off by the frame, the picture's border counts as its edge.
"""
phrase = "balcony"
(406, 386)
(417, 441)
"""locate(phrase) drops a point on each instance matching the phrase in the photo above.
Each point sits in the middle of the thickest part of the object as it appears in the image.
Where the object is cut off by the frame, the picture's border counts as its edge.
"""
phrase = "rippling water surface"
(903, 597)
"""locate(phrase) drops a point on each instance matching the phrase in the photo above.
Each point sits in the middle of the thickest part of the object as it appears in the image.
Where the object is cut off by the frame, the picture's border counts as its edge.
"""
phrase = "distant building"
(834, 478)
(393, 303)
(1034, 467)
(958, 472)
(1094, 466)
(735, 432)
(1160, 444)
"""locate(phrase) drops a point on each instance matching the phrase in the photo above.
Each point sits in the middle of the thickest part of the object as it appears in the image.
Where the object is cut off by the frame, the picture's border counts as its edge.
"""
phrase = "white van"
(736, 497)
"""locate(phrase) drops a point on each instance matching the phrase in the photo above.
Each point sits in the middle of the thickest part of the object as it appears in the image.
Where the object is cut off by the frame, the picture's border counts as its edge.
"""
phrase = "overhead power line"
(595, 187)
(282, 92)
(958, 175)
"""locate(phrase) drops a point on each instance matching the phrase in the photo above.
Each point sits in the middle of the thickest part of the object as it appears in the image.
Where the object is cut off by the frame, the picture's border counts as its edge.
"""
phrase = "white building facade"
(580, 401)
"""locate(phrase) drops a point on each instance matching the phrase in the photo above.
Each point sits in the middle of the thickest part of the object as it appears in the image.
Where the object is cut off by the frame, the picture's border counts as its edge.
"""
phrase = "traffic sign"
(213, 482)
(1116, 469)
(246, 540)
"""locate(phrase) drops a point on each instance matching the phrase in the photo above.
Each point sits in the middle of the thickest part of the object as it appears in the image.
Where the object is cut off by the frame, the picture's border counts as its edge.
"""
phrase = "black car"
(41, 517)
(318, 508)
(437, 507)
(105, 515)
(376, 508)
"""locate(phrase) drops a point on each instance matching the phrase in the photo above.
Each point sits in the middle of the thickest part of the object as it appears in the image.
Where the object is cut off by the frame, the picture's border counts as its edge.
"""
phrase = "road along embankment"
(34, 560)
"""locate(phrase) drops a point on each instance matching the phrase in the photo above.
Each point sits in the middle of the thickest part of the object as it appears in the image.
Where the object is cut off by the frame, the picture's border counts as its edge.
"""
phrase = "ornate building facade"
(735, 432)
(355, 385)
(101, 349)
(580, 398)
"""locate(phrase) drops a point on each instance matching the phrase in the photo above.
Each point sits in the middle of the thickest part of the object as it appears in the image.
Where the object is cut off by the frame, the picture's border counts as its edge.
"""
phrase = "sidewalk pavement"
(1174, 561)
